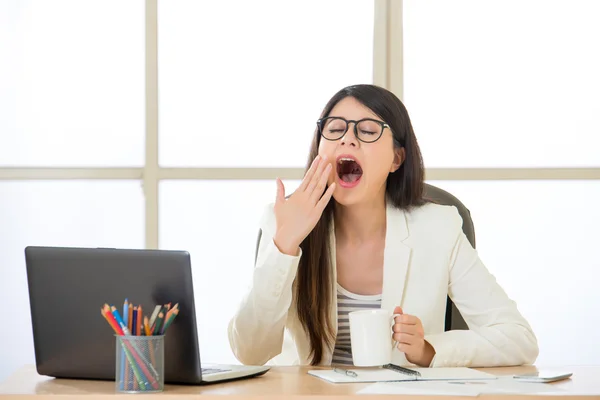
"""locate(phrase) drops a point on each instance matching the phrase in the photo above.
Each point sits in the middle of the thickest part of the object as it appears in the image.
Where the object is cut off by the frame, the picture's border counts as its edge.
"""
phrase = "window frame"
(387, 72)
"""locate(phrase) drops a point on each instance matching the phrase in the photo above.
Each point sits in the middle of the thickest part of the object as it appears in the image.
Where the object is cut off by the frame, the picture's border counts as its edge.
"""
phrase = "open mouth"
(349, 171)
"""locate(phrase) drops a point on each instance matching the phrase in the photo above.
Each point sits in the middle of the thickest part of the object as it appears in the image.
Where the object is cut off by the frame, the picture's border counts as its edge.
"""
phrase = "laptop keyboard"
(208, 371)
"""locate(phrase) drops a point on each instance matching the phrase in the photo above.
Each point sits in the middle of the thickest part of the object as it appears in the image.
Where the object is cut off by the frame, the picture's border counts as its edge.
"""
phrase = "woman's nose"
(349, 137)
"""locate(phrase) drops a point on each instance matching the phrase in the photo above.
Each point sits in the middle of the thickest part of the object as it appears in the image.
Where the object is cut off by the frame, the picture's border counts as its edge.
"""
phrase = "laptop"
(69, 286)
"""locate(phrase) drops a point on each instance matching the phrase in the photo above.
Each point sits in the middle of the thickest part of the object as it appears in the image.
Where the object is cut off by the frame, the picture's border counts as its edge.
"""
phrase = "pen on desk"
(345, 372)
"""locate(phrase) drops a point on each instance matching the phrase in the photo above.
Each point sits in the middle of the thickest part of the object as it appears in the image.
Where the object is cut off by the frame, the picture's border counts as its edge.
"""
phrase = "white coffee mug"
(371, 337)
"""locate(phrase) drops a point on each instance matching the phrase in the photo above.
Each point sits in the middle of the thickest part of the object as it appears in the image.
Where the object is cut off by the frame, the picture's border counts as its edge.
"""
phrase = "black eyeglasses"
(366, 130)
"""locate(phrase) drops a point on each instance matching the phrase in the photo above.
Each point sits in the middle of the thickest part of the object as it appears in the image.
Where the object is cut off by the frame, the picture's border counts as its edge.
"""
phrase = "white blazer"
(426, 258)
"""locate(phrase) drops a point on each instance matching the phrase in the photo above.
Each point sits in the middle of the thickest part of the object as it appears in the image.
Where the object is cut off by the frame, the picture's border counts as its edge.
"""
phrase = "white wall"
(52, 213)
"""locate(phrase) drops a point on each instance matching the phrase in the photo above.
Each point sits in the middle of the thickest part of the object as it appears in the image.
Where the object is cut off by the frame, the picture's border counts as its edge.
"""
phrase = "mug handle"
(393, 321)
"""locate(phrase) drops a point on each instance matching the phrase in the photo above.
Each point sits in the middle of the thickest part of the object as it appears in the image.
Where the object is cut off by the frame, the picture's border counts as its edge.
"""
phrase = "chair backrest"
(454, 321)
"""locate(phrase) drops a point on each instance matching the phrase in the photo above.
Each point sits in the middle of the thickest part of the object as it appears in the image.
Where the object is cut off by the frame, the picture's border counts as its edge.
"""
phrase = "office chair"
(454, 321)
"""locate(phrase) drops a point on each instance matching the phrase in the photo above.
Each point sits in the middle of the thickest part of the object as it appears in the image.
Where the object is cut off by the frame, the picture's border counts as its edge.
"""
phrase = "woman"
(377, 243)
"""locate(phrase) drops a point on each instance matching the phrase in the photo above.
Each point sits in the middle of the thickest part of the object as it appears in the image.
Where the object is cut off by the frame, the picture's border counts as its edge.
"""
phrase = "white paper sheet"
(468, 388)
(432, 388)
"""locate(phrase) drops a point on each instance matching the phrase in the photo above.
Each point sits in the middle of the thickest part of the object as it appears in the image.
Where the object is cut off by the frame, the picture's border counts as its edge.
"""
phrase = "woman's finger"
(312, 185)
(407, 319)
(318, 192)
(280, 191)
(404, 328)
(405, 338)
(309, 174)
(325, 199)
(403, 347)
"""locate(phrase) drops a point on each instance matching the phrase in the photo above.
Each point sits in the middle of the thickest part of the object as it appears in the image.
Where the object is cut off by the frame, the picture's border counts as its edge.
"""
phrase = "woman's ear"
(399, 157)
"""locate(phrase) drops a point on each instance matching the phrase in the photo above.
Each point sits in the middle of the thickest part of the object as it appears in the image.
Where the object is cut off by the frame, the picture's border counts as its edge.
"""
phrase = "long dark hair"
(404, 189)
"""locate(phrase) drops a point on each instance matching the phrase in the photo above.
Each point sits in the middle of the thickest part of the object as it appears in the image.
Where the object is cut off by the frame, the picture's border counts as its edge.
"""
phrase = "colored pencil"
(111, 320)
(158, 323)
(150, 345)
(130, 320)
(125, 311)
(140, 321)
(119, 320)
(124, 369)
(138, 317)
(167, 317)
(134, 333)
(175, 307)
(166, 312)
(130, 327)
(154, 315)
(147, 327)
(169, 321)
(134, 322)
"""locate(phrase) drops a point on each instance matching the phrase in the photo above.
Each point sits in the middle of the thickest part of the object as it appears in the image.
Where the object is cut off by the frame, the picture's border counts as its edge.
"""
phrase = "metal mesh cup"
(139, 364)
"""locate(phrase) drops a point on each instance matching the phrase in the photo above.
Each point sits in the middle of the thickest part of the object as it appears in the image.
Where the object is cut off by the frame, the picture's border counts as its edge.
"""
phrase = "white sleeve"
(498, 334)
(257, 328)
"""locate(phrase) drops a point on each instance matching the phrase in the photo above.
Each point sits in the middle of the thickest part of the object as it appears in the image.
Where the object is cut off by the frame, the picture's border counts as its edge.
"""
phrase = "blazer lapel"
(396, 259)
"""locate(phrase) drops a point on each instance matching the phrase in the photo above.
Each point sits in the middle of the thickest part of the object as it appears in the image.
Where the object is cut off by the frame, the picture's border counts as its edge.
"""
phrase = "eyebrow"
(360, 119)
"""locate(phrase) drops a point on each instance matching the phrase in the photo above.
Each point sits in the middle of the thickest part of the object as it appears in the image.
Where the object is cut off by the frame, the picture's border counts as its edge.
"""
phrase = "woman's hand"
(410, 335)
(297, 216)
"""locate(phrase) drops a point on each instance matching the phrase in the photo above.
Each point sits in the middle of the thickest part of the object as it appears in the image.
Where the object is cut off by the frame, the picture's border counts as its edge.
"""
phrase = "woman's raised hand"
(297, 216)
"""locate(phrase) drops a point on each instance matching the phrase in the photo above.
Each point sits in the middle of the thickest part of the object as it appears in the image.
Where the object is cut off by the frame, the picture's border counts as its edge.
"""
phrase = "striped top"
(347, 302)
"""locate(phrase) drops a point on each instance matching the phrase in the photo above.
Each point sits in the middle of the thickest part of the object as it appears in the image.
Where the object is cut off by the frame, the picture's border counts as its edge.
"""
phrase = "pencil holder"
(139, 363)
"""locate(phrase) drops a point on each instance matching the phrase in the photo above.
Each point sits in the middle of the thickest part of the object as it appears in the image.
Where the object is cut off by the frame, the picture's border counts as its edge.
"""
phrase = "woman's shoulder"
(430, 210)
(437, 217)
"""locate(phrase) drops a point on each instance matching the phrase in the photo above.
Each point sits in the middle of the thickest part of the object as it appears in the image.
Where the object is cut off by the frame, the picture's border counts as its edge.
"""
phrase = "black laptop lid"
(69, 286)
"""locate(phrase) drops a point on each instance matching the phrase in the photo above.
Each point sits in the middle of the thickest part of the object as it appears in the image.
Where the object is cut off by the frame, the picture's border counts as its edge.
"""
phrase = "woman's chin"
(347, 197)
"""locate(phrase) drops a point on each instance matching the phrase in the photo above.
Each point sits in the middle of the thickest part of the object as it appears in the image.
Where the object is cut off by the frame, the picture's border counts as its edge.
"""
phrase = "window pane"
(56, 213)
(218, 223)
(72, 83)
(540, 240)
(504, 83)
(246, 88)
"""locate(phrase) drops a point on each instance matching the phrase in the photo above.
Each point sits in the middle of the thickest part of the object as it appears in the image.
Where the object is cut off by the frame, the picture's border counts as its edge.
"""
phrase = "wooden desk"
(279, 382)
